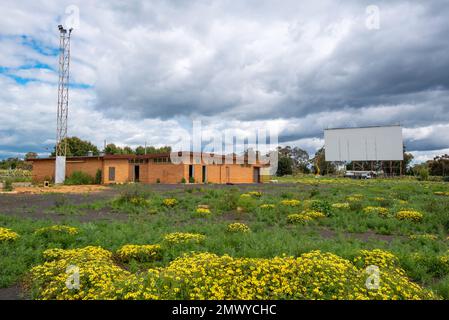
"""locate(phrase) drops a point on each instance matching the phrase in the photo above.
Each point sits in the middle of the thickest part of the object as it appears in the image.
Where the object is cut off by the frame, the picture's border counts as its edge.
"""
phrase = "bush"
(98, 177)
(191, 180)
(143, 253)
(79, 178)
(423, 174)
(321, 206)
(134, 196)
(183, 180)
(314, 192)
(7, 185)
(355, 206)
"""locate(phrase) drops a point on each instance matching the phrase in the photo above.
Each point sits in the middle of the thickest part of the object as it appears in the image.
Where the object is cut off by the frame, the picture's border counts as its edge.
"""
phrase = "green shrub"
(135, 194)
(158, 180)
(79, 177)
(423, 174)
(321, 206)
(228, 200)
(314, 193)
(191, 180)
(183, 180)
(7, 185)
(248, 204)
(355, 206)
(98, 177)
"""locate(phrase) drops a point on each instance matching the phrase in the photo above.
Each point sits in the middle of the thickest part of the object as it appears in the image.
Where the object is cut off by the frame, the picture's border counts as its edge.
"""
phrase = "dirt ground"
(11, 293)
(58, 189)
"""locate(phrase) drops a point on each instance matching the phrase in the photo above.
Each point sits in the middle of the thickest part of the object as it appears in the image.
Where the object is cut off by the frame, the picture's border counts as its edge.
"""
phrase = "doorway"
(136, 173)
(204, 174)
(256, 175)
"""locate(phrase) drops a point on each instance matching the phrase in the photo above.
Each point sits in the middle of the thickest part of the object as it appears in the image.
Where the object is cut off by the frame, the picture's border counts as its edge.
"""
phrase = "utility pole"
(63, 104)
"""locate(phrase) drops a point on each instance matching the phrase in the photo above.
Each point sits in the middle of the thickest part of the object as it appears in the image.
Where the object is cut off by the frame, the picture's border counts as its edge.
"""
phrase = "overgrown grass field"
(252, 242)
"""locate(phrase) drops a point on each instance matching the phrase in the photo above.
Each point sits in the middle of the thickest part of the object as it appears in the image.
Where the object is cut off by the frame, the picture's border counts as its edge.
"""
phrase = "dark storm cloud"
(181, 71)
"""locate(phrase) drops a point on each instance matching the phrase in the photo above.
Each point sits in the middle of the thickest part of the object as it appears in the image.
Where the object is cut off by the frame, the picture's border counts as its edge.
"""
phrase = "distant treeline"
(78, 147)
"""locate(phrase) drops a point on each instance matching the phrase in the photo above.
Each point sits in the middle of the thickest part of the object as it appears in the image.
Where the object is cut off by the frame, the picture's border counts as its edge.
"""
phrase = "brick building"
(153, 168)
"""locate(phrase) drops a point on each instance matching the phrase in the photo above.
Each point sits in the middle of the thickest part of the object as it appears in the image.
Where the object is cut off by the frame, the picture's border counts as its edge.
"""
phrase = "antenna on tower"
(63, 103)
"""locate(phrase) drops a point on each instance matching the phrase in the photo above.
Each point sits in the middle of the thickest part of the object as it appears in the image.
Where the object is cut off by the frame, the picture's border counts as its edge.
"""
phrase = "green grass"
(147, 220)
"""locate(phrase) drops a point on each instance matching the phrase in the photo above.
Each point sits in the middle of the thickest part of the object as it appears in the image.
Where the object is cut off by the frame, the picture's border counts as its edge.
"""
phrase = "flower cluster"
(377, 210)
(409, 215)
(423, 237)
(245, 195)
(354, 198)
(305, 216)
(290, 203)
(441, 193)
(97, 275)
(139, 201)
(341, 205)
(169, 202)
(57, 229)
(267, 206)
(7, 235)
(313, 275)
(238, 227)
(256, 194)
(183, 237)
(299, 218)
(143, 253)
(82, 254)
(203, 211)
(379, 258)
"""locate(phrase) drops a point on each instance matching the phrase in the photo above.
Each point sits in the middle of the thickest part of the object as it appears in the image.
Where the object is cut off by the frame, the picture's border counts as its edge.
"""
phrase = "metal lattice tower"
(63, 91)
(63, 103)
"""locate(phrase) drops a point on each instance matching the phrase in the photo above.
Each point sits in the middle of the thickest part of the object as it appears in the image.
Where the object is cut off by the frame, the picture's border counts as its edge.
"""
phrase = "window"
(111, 173)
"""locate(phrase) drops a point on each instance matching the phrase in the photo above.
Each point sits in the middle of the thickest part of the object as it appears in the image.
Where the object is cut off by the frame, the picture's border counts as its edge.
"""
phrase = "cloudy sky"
(143, 70)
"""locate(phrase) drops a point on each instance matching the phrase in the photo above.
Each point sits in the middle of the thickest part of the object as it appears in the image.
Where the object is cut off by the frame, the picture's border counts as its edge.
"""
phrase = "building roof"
(365, 127)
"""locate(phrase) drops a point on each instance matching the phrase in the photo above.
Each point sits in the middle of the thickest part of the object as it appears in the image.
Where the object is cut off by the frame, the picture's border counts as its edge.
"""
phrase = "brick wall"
(122, 170)
(89, 166)
(149, 173)
(165, 172)
(42, 170)
(45, 169)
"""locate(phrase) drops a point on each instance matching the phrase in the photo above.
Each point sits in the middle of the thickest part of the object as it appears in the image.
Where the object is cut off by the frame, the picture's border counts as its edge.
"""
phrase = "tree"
(78, 148)
(439, 166)
(14, 163)
(299, 158)
(408, 158)
(30, 155)
(140, 150)
(128, 150)
(113, 149)
(320, 166)
(285, 165)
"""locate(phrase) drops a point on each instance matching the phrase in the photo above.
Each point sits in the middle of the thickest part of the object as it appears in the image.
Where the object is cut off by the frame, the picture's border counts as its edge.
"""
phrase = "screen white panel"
(60, 169)
(364, 144)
